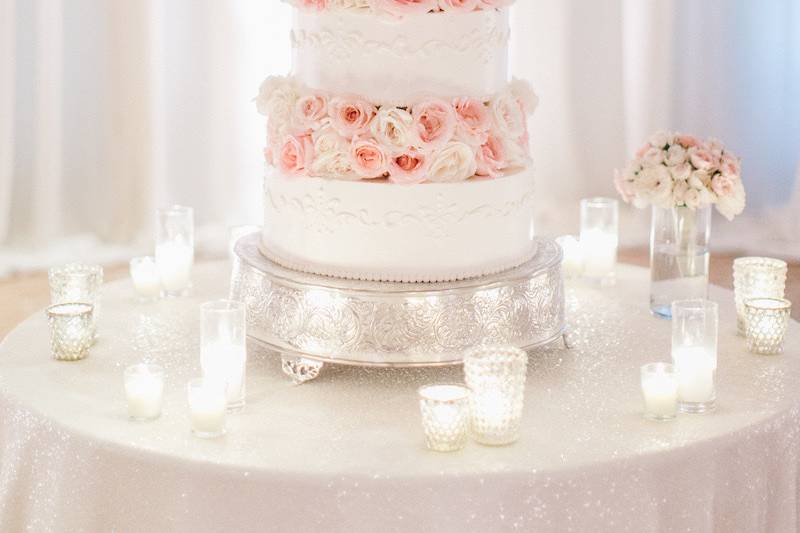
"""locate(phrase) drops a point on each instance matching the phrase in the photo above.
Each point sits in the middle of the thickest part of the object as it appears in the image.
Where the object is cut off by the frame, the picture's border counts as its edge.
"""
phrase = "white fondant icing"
(393, 61)
(381, 231)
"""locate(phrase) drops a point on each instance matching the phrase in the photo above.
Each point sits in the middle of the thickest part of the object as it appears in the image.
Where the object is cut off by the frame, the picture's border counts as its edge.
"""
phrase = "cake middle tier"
(378, 231)
(394, 61)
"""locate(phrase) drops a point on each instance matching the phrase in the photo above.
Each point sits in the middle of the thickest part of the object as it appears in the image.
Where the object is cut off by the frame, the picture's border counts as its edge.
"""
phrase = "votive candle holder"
(70, 330)
(695, 329)
(77, 283)
(767, 320)
(445, 416)
(146, 281)
(175, 249)
(660, 391)
(599, 239)
(207, 407)
(223, 347)
(496, 377)
(144, 391)
(756, 277)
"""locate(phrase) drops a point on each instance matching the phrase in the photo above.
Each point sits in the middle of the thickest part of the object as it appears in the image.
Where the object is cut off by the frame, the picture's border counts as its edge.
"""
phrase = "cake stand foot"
(300, 369)
(567, 343)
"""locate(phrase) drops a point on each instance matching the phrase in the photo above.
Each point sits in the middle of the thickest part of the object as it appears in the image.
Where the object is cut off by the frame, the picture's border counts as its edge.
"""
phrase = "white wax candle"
(599, 253)
(146, 278)
(660, 395)
(573, 256)
(207, 406)
(695, 367)
(225, 362)
(175, 260)
(491, 408)
(145, 392)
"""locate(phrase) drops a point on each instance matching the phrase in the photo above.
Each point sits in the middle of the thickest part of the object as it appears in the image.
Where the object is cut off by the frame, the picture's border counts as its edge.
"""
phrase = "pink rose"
(310, 110)
(458, 6)
(491, 157)
(472, 119)
(408, 168)
(722, 185)
(296, 155)
(687, 141)
(369, 159)
(701, 159)
(403, 8)
(730, 166)
(350, 116)
(435, 122)
(319, 5)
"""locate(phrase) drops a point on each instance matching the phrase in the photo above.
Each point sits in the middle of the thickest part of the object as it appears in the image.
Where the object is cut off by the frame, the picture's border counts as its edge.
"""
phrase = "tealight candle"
(767, 320)
(660, 391)
(223, 350)
(599, 238)
(144, 274)
(445, 416)
(175, 249)
(144, 391)
(207, 406)
(572, 265)
(695, 325)
(756, 277)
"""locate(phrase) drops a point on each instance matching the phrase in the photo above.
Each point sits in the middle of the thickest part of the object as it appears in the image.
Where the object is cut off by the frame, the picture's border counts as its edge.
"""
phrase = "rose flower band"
(401, 8)
(310, 133)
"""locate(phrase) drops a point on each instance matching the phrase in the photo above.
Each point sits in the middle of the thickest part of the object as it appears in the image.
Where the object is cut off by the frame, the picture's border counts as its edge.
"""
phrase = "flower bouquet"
(681, 177)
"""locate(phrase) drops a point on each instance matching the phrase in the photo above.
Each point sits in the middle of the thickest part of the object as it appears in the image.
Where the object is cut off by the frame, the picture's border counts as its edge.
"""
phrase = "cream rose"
(276, 100)
(393, 128)
(676, 155)
(654, 156)
(334, 164)
(525, 95)
(455, 162)
(507, 115)
(310, 110)
(732, 204)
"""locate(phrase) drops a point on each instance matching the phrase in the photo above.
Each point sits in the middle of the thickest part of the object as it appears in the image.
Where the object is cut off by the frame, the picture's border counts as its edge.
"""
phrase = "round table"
(346, 451)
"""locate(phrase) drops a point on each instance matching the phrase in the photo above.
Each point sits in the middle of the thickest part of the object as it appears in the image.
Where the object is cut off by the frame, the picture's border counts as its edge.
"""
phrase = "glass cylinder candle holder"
(223, 348)
(599, 239)
(496, 376)
(756, 277)
(144, 274)
(767, 320)
(144, 391)
(70, 330)
(660, 391)
(445, 416)
(175, 249)
(77, 283)
(695, 326)
(572, 263)
(207, 406)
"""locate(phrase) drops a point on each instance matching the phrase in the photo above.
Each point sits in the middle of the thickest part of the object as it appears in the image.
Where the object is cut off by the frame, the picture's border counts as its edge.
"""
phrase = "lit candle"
(695, 325)
(756, 277)
(445, 416)
(767, 320)
(223, 351)
(660, 391)
(144, 390)
(599, 238)
(175, 260)
(207, 406)
(228, 363)
(144, 274)
(573, 256)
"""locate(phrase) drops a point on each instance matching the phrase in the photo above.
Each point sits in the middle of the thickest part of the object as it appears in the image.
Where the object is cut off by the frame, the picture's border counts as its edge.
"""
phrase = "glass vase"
(678, 256)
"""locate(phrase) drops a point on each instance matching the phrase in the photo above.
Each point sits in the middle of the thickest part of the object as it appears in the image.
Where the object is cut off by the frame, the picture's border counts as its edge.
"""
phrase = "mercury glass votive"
(144, 391)
(77, 283)
(756, 277)
(599, 239)
(175, 249)
(572, 263)
(445, 416)
(695, 327)
(223, 348)
(496, 377)
(767, 320)
(144, 274)
(660, 391)
(207, 406)
(70, 330)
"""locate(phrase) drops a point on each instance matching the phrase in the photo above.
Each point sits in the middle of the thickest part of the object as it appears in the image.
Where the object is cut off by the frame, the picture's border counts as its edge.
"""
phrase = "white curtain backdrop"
(109, 108)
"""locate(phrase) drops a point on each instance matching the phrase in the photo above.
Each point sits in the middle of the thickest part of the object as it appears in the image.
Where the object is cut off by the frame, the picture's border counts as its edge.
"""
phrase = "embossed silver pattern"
(398, 324)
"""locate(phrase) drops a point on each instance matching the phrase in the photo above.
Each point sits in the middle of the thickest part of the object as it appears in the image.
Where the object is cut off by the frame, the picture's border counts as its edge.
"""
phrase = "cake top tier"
(401, 8)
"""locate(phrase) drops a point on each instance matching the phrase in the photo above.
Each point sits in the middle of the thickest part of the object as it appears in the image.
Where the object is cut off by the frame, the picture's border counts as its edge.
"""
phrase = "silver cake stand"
(311, 320)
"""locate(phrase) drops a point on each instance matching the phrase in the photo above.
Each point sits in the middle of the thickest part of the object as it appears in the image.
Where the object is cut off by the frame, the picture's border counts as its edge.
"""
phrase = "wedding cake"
(398, 147)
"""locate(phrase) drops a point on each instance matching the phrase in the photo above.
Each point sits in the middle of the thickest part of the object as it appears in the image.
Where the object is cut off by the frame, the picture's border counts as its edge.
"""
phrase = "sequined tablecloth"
(346, 452)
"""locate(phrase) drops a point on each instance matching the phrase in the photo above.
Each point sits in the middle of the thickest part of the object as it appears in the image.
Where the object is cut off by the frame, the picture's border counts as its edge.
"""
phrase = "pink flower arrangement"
(310, 133)
(402, 8)
(678, 170)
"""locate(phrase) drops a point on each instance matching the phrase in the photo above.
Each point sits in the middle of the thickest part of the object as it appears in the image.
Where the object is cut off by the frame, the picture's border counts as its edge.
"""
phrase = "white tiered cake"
(399, 146)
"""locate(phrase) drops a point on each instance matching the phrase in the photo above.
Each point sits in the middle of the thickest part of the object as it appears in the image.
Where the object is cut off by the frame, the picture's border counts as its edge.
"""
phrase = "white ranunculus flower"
(661, 139)
(676, 155)
(507, 115)
(654, 185)
(681, 172)
(326, 139)
(653, 157)
(679, 190)
(335, 164)
(393, 128)
(525, 95)
(692, 198)
(732, 204)
(454, 162)
(699, 179)
(276, 100)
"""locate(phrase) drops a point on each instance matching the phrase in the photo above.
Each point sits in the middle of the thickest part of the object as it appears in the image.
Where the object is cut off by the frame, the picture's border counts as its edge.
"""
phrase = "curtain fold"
(8, 77)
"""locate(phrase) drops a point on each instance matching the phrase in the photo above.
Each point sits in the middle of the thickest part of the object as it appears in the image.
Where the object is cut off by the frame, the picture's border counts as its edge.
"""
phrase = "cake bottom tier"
(378, 231)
